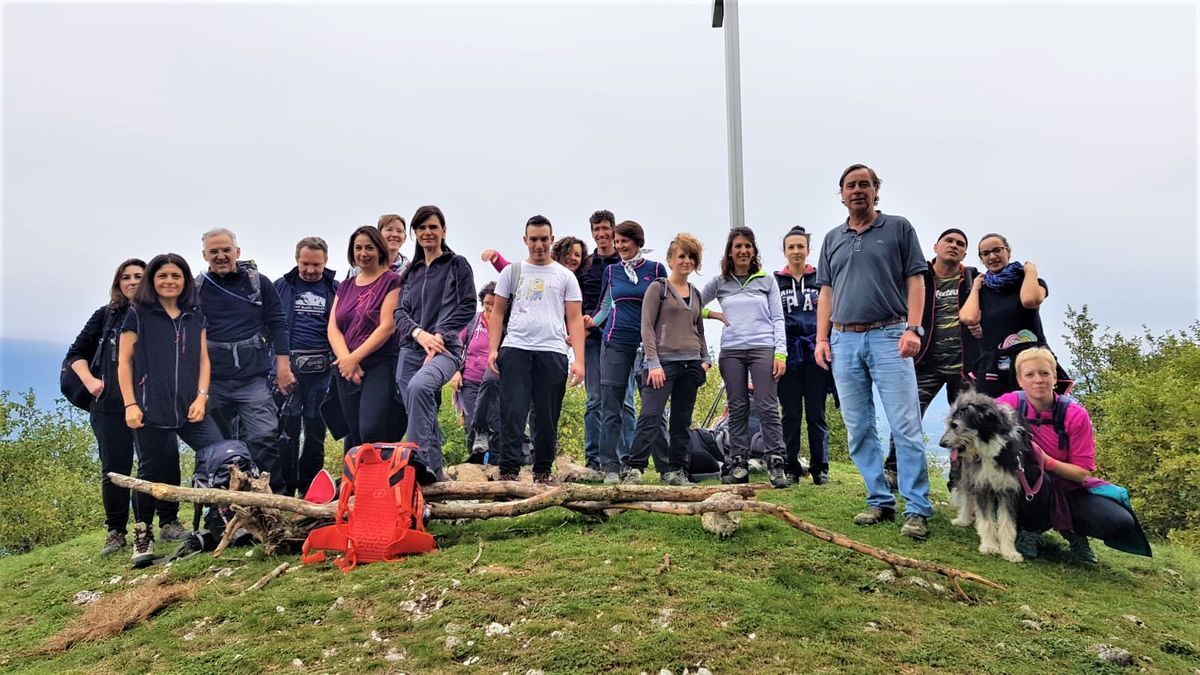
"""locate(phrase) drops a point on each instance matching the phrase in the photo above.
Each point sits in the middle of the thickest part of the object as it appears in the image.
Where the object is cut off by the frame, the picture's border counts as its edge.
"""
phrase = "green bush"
(49, 474)
(1144, 398)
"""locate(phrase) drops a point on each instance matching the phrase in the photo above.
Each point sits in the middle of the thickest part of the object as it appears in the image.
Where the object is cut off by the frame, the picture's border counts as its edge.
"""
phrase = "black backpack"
(213, 465)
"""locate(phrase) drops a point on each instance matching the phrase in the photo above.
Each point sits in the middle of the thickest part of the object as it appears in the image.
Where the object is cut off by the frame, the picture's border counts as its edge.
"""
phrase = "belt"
(233, 347)
(864, 327)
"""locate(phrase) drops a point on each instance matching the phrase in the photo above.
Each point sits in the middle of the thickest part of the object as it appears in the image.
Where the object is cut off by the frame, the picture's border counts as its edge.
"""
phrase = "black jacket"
(166, 362)
(439, 298)
(97, 344)
(970, 345)
(237, 317)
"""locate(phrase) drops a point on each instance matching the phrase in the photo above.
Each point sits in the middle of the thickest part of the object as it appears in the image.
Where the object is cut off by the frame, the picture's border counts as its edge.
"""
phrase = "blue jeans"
(591, 410)
(616, 370)
(858, 360)
(421, 386)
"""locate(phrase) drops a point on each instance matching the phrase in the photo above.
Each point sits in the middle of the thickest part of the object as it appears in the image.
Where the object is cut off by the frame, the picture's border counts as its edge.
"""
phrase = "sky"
(129, 129)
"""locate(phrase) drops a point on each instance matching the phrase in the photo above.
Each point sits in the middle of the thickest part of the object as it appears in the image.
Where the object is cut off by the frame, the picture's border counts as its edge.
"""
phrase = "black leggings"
(158, 461)
(372, 411)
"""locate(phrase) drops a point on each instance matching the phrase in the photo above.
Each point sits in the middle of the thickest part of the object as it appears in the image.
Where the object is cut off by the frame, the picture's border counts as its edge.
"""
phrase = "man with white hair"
(246, 323)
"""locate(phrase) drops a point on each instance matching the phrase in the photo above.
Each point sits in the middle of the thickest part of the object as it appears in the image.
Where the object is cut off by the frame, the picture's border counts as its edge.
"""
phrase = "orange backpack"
(387, 521)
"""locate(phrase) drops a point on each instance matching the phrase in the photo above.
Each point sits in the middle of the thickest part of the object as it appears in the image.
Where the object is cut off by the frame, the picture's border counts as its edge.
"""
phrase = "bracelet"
(202, 392)
(130, 405)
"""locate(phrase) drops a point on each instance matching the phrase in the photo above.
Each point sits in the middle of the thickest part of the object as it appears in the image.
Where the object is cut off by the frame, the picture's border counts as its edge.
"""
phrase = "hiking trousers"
(114, 442)
(534, 380)
(683, 379)
(803, 390)
(421, 385)
(738, 368)
(158, 462)
(244, 410)
(370, 408)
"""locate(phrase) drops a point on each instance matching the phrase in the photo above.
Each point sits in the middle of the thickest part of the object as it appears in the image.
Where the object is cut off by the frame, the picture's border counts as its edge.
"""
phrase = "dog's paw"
(989, 549)
(1012, 556)
(962, 521)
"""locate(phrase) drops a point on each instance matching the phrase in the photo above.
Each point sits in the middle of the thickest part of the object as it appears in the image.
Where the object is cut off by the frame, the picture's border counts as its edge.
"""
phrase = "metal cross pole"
(725, 14)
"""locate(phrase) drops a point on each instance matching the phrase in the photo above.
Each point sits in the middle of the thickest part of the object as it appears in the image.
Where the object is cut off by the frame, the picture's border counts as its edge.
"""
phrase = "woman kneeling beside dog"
(1071, 499)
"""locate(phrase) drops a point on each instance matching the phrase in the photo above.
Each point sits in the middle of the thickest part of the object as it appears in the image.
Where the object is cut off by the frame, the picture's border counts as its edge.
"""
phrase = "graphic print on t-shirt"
(537, 321)
(945, 353)
(308, 316)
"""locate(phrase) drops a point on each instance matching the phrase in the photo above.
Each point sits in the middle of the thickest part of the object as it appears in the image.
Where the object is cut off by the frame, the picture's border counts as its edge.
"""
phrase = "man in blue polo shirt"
(246, 323)
(872, 283)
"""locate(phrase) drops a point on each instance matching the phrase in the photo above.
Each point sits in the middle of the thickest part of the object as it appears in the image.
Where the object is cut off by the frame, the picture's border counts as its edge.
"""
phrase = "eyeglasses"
(992, 251)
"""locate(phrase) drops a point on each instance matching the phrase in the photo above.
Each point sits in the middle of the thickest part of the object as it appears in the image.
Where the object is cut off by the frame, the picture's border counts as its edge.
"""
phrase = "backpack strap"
(1061, 404)
(255, 286)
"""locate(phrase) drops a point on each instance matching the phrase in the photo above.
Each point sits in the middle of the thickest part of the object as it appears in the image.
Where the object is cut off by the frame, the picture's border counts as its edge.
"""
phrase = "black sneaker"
(115, 541)
(594, 465)
(509, 477)
(143, 545)
(776, 473)
(736, 472)
(820, 477)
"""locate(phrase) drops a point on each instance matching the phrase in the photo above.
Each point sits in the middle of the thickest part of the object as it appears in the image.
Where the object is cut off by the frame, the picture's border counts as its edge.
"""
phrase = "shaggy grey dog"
(991, 444)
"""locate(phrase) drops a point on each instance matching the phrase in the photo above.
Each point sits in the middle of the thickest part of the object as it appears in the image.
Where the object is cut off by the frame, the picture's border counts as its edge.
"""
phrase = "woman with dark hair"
(437, 302)
(623, 287)
(476, 387)
(363, 343)
(93, 358)
(570, 252)
(394, 232)
(163, 370)
(804, 385)
(1004, 302)
(753, 348)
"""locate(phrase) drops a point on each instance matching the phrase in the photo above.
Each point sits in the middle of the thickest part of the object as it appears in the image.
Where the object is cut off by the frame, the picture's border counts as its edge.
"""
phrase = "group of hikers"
(227, 354)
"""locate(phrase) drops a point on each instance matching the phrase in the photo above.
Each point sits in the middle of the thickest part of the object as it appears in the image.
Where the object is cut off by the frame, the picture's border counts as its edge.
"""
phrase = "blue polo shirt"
(869, 272)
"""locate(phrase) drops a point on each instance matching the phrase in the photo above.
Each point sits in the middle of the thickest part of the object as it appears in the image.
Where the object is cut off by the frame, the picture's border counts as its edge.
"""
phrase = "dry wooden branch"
(261, 512)
(266, 578)
(666, 564)
(475, 561)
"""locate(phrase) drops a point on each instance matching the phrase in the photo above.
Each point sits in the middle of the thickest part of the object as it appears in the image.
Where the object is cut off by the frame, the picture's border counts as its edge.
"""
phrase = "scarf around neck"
(1011, 275)
(631, 265)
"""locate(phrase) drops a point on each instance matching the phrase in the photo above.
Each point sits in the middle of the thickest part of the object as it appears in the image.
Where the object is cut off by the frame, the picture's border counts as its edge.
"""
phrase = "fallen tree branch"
(471, 565)
(260, 512)
(266, 578)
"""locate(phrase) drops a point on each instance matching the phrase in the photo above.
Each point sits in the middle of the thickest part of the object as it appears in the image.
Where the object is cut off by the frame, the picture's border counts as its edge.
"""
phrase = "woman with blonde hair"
(676, 363)
(1070, 500)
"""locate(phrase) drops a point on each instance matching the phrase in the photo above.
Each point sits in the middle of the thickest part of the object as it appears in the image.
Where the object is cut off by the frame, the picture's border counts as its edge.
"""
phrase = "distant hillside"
(31, 364)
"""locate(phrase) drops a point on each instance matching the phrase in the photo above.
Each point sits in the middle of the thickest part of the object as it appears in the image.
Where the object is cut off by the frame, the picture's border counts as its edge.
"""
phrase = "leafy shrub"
(49, 474)
(1144, 398)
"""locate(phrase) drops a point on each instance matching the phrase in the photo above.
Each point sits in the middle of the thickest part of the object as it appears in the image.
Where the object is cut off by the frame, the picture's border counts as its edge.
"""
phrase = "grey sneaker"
(915, 527)
(480, 445)
(143, 545)
(115, 541)
(173, 531)
(612, 478)
(1081, 550)
(632, 477)
(737, 472)
(776, 473)
(677, 479)
(1028, 543)
(875, 515)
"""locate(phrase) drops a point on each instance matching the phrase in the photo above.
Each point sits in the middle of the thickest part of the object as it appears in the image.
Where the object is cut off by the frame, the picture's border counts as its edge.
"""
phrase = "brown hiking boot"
(115, 541)
(915, 527)
(875, 515)
(545, 479)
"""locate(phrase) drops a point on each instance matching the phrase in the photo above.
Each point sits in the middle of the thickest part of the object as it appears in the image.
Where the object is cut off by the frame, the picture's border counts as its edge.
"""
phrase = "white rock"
(393, 655)
(617, 628)
(885, 577)
(664, 671)
(86, 597)
(752, 636)
(451, 642)
(326, 653)
(337, 604)
(493, 629)
(137, 580)
(279, 609)
(188, 637)
(1030, 625)
(250, 554)
(223, 572)
(452, 628)
(871, 627)
(703, 671)
(1114, 655)
(113, 581)
(297, 663)
(374, 636)
(471, 661)
(1134, 620)
(535, 671)
(556, 635)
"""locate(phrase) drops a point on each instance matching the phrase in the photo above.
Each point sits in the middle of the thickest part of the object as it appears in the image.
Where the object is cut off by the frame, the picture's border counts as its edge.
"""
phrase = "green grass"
(583, 596)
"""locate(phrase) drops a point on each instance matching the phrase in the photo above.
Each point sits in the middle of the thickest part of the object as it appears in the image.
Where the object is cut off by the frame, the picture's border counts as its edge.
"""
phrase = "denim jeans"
(244, 410)
(421, 386)
(616, 367)
(591, 410)
(929, 382)
(860, 359)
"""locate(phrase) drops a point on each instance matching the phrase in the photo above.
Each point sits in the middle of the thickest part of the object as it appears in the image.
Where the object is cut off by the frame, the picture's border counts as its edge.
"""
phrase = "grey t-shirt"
(869, 272)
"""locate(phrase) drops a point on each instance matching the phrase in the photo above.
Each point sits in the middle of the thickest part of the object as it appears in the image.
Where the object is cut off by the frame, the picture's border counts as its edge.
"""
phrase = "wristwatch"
(919, 330)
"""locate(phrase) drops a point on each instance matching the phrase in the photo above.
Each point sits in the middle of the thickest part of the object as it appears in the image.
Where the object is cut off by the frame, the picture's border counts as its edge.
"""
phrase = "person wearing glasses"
(872, 279)
(1004, 303)
(948, 344)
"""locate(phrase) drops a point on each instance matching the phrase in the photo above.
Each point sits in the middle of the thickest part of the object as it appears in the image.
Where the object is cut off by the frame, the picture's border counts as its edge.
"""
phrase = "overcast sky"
(130, 129)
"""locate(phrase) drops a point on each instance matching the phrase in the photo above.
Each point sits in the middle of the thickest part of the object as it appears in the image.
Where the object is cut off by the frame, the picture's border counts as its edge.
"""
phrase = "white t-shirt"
(538, 319)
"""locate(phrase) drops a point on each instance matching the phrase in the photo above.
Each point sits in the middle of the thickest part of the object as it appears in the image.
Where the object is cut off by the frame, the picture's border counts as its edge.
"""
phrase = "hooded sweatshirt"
(672, 329)
(799, 298)
(753, 309)
(438, 298)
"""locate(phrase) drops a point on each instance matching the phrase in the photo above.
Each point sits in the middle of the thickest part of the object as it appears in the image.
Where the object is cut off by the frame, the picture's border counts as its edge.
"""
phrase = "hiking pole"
(712, 411)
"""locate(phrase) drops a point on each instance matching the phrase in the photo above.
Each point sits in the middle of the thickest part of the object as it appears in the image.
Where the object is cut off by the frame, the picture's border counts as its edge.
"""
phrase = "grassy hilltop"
(557, 592)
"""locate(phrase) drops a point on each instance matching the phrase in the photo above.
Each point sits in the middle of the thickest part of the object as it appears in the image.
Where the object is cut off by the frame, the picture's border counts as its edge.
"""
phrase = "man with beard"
(306, 294)
(872, 280)
(948, 345)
